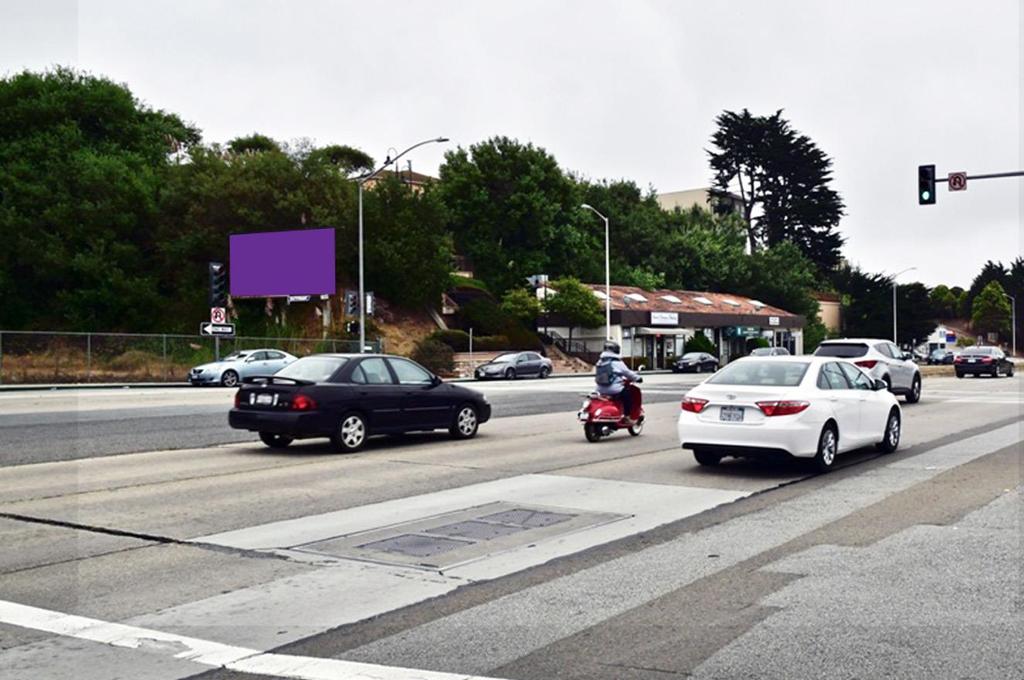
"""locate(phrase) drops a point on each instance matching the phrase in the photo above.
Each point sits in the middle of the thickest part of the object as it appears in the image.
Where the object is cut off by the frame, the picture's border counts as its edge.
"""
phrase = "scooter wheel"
(593, 432)
(635, 430)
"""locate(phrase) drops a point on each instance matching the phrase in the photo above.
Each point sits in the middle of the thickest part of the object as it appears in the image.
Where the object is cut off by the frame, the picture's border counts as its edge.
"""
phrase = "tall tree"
(915, 313)
(575, 304)
(863, 295)
(82, 167)
(509, 206)
(784, 181)
(991, 310)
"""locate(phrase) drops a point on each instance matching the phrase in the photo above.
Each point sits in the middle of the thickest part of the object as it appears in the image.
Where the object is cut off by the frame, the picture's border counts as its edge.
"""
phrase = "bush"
(434, 355)
(456, 339)
(134, 360)
(700, 343)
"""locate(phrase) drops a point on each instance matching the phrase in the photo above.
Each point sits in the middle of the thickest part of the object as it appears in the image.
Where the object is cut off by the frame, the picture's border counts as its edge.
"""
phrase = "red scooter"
(601, 415)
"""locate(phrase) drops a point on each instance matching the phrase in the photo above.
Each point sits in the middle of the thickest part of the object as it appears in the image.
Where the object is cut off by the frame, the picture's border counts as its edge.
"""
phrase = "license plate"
(731, 414)
(971, 361)
(264, 399)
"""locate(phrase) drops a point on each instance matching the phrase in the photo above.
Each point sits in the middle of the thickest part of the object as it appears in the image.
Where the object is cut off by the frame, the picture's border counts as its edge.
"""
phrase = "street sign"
(220, 330)
(958, 181)
(299, 298)
(773, 321)
(218, 315)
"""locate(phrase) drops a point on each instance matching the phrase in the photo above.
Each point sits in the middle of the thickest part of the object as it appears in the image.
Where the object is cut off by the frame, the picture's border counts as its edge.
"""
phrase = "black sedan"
(349, 397)
(514, 365)
(695, 362)
(939, 357)
(983, 361)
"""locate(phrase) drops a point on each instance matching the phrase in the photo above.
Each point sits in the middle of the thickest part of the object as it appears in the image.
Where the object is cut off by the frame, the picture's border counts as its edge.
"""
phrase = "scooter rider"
(611, 376)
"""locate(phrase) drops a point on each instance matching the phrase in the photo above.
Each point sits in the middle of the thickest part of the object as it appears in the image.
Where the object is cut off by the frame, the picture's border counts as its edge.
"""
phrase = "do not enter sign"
(957, 181)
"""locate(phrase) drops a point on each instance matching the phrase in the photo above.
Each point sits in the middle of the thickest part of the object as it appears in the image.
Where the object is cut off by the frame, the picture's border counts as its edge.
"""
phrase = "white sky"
(623, 89)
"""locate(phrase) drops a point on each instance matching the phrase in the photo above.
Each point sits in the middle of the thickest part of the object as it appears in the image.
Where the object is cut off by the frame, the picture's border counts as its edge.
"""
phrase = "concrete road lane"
(239, 545)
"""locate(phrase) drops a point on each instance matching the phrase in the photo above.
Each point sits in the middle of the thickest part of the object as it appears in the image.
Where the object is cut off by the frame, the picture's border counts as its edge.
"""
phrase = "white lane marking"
(206, 652)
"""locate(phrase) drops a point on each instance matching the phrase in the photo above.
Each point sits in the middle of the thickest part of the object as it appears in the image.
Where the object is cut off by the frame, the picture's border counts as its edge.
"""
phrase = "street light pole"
(1013, 322)
(607, 275)
(361, 180)
(908, 269)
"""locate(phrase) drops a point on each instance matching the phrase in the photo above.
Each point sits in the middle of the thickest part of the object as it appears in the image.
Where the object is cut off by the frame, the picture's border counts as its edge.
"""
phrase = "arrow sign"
(217, 329)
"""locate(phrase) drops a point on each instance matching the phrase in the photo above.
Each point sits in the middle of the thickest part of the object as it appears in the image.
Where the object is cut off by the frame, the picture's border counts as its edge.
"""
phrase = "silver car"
(880, 359)
(230, 370)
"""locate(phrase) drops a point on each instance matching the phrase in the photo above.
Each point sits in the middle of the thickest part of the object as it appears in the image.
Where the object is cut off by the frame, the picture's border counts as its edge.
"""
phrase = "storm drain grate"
(416, 546)
(528, 519)
(475, 530)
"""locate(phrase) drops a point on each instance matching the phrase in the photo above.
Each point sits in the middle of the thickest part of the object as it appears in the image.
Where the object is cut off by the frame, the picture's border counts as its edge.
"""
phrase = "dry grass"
(66, 366)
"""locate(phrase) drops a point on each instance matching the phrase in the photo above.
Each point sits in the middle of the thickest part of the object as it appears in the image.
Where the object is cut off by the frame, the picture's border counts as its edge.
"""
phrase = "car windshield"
(980, 351)
(767, 373)
(761, 352)
(317, 369)
(692, 355)
(844, 350)
(235, 356)
(504, 358)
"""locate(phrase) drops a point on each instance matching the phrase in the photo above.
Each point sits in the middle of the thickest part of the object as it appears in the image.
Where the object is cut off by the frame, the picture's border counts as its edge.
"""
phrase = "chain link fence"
(41, 357)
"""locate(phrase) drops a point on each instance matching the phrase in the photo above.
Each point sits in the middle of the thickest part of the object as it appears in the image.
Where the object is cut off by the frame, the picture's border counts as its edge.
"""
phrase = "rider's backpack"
(605, 374)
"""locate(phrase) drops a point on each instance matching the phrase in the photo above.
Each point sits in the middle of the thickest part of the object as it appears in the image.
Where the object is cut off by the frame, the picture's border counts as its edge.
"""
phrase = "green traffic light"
(925, 195)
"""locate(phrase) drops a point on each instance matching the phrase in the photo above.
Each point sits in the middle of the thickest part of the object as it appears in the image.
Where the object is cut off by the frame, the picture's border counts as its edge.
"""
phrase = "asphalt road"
(37, 427)
(234, 561)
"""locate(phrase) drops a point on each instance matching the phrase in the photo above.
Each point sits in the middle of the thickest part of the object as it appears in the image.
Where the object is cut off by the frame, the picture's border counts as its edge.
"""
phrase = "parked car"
(882, 360)
(230, 370)
(770, 352)
(939, 357)
(515, 365)
(695, 362)
(350, 397)
(782, 407)
(983, 361)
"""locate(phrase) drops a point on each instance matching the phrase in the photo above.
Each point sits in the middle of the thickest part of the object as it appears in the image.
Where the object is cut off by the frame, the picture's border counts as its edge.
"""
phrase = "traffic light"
(926, 184)
(218, 284)
(351, 303)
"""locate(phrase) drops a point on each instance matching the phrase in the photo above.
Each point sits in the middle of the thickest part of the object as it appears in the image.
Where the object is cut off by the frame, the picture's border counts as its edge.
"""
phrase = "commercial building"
(655, 325)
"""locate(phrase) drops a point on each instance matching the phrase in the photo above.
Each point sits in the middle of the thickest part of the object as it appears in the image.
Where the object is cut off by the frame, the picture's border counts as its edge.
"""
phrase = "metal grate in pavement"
(475, 530)
(415, 546)
(527, 518)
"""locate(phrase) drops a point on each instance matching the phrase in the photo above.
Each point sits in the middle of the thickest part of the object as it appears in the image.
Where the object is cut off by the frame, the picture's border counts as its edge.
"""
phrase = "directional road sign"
(220, 330)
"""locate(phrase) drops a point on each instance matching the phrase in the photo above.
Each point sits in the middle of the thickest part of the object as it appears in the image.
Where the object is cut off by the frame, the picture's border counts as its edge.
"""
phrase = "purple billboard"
(279, 263)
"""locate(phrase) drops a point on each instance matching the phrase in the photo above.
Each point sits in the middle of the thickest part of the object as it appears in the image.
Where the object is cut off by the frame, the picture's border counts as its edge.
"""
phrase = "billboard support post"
(216, 348)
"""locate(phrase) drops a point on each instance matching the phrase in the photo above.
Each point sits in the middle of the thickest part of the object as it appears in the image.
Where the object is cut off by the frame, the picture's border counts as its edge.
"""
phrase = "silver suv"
(882, 360)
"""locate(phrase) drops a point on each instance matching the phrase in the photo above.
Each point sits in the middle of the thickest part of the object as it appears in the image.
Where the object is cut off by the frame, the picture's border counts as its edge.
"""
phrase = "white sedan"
(802, 406)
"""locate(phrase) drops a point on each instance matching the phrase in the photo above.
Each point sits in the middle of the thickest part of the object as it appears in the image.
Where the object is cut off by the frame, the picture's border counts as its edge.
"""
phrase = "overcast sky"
(624, 89)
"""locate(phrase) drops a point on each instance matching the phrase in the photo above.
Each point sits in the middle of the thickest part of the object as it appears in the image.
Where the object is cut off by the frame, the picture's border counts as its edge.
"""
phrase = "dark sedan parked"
(349, 397)
(515, 365)
(983, 361)
(939, 357)
(695, 362)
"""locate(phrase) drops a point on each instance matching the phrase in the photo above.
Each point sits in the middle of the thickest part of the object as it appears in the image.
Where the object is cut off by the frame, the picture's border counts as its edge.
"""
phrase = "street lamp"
(361, 180)
(607, 275)
(1013, 321)
(908, 269)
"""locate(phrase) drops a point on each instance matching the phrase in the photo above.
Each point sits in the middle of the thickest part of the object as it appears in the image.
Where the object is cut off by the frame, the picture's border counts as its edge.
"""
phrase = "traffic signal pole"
(927, 179)
(991, 175)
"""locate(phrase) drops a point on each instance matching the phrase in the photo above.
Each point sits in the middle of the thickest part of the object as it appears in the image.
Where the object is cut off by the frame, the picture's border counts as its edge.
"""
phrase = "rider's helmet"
(611, 346)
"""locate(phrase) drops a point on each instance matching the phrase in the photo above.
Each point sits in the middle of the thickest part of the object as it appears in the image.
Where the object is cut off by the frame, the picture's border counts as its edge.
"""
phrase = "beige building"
(830, 310)
(701, 198)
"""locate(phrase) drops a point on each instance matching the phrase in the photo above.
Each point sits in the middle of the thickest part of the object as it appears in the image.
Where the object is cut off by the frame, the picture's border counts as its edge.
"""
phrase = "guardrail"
(33, 357)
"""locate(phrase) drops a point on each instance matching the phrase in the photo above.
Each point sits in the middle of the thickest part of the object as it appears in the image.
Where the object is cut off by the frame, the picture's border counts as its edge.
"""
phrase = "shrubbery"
(700, 343)
(434, 355)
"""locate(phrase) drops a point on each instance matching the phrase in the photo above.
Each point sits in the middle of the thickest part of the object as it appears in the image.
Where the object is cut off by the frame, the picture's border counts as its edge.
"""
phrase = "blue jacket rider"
(620, 373)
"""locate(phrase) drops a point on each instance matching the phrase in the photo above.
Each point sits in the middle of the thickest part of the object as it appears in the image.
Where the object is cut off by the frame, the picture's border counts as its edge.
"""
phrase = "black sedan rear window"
(844, 350)
(317, 369)
(980, 351)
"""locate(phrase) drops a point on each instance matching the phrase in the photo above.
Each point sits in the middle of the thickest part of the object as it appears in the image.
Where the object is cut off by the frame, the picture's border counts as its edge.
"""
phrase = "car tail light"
(238, 398)
(958, 359)
(986, 360)
(782, 408)
(867, 363)
(300, 402)
(693, 404)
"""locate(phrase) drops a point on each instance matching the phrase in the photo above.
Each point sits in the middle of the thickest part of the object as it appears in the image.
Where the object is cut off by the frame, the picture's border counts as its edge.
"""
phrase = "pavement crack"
(645, 669)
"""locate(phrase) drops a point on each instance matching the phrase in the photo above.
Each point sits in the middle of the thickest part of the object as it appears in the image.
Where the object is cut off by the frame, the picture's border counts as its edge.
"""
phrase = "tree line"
(110, 210)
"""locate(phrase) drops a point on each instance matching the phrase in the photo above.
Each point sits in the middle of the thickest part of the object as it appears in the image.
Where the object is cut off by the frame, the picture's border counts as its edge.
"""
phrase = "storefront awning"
(663, 331)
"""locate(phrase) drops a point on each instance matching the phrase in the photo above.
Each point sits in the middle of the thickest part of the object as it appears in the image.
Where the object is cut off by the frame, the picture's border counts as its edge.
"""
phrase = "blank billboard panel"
(279, 263)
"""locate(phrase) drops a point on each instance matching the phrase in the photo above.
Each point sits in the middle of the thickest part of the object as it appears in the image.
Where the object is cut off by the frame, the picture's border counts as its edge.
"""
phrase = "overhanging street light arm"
(391, 161)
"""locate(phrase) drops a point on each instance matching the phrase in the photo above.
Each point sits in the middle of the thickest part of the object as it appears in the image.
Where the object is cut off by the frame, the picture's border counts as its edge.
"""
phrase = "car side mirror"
(880, 385)
(435, 381)
(908, 356)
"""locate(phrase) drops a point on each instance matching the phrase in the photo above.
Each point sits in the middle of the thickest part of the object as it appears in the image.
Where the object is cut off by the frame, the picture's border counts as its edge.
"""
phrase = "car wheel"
(466, 422)
(707, 458)
(888, 382)
(1009, 374)
(960, 375)
(891, 437)
(914, 395)
(276, 441)
(351, 433)
(510, 374)
(592, 432)
(544, 372)
(229, 378)
(828, 448)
